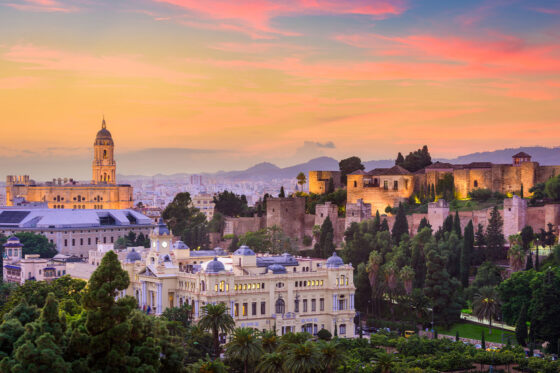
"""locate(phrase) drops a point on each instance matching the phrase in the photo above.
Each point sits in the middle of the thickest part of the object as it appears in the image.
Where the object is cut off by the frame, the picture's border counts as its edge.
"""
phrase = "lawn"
(474, 331)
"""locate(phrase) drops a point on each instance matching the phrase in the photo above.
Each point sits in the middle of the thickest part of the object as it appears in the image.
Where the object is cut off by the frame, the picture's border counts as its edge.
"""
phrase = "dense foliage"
(34, 243)
(415, 161)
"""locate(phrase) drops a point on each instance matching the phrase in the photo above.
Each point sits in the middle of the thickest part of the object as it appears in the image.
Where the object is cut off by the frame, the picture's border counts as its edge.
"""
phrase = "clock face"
(164, 244)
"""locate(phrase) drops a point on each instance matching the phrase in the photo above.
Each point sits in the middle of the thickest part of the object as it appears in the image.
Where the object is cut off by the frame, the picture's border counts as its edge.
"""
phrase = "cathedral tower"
(104, 165)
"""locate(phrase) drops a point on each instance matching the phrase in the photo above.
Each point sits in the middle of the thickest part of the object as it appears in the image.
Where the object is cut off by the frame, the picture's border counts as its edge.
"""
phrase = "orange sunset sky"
(219, 84)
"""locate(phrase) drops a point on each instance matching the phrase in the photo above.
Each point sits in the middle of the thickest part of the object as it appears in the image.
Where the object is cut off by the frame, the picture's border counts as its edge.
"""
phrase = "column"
(144, 296)
(334, 305)
(196, 308)
(351, 301)
(231, 305)
(159, 298)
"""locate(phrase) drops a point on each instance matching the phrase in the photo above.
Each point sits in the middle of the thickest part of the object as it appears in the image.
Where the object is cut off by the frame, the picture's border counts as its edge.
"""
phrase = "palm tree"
(269, 341)
(384, 362)
(516, 257)
(215, 318)
(303, 358)
(207, 366)
(289, 340)
(486, 305)
(301, 180)
(407, 275)
(271, 363)
(244, 346)
(333, 355)
(374, 261)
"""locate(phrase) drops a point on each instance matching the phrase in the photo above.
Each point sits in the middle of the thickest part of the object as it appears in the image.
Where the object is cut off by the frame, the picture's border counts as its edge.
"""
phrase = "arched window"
(104, 154)
(280, 306)
(476, 183)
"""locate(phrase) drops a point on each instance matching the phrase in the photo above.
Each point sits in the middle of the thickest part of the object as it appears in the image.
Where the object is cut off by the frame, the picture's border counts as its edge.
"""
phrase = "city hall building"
(290, 294)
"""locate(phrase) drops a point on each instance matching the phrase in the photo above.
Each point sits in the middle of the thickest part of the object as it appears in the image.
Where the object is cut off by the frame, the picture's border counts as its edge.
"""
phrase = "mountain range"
(268, 171)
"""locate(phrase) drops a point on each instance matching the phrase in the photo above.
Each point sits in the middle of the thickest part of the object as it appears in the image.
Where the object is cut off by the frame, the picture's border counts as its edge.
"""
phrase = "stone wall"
(240, 226)
(378, 196)
(288, 214)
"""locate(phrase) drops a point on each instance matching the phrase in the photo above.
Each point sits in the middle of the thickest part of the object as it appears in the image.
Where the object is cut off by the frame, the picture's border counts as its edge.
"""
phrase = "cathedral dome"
(103, 136)
(244, 250)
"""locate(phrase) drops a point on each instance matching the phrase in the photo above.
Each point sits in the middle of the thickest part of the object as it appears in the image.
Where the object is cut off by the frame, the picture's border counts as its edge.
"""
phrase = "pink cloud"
(490, 57)
(49, 6)
(43, 58)
(253, 17)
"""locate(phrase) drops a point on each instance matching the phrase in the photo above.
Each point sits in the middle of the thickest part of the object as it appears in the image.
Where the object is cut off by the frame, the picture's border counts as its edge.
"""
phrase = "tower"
(104, 165)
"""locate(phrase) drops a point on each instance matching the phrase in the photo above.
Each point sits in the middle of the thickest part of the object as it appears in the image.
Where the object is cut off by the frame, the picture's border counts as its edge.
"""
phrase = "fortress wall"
(462, 182)
(552, 215)
(535, 217)
(288, 214)
(319, 181)
(309, 223)
(528, 177)
(240, 226)
(544, 173)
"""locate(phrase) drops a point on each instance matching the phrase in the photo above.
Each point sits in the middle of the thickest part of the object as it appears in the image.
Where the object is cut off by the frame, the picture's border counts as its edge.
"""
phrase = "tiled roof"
(521, 155)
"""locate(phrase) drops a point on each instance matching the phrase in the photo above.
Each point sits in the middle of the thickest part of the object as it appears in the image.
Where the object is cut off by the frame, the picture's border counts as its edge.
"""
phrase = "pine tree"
(457, 225)
(466, 254)
(106, 317)
(521, 326)
(494, 235)
(282, 193)
(401, 225)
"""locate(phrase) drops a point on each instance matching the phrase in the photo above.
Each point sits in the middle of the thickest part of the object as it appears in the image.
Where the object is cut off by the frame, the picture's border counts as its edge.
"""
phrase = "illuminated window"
(234, 287)
(236, 309)
(216, 287)
(253, 286)
(227, 287)
(244, 309)
(244, 286)
(258, 286)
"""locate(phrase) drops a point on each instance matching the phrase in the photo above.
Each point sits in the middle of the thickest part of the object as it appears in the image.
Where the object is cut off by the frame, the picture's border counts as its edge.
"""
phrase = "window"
(395, 185)
(73, 242)
(254, 308)
(280, 306)
(305, 305)
(342, 329)
(341, 304)
(313, 305)
(355, 184)
(385, 184)
(236, 310)
(244, 309)
(81, 241)
(296, 305)
(322, 304)
(263, 308)
(476, 183)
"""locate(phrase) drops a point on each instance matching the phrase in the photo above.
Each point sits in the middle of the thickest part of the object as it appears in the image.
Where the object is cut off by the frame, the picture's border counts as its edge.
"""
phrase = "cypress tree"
(376, 223)
(521, 326)
(466, 253)
(400, 159)
(325, 247)
(521, 191)
(494, 235)
(537, 264)
(457, 336)
(529, 264)
(447, 224)
(401, 225)
(330, 188)
(457, 225)
(384, 226)
(483, 341)
(424, 223)
(282, 193)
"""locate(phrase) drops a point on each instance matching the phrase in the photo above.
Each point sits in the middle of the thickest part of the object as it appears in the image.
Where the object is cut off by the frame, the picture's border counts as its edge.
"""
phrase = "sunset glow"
(240, 82)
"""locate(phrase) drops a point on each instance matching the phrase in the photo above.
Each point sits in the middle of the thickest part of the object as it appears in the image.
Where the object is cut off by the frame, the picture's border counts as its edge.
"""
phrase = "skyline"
(235, 84)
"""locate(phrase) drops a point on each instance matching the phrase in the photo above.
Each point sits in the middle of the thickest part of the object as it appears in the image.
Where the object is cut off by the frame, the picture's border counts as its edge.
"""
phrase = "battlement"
(12, 180)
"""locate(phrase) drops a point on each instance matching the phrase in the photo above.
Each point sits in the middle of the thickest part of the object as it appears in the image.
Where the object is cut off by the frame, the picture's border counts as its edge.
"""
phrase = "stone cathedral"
(63, 193)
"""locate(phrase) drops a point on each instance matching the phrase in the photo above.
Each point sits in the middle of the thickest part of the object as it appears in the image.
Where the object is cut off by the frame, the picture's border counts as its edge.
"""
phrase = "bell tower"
(104, 166)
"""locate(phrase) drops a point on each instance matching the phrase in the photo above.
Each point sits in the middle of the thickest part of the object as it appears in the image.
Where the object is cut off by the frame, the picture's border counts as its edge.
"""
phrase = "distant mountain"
(541, 154)
(268, 171)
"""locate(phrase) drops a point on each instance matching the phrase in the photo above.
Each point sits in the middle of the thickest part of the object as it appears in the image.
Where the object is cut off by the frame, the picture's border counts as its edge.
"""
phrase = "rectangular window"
(395, 185)
(81, 241)
(89, 241)
(244, 309)
(322, 304)
(263, 308)
(341, 305)
(236, 310)
(65, 242)
(385, 184)
(342, 329)
(313, 305)
(73, 242)
(296, 305)
(305, 305)
(254, 308)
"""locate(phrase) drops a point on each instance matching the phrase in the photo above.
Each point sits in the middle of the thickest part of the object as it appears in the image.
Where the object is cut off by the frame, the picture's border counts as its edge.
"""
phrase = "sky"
(219, 85)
